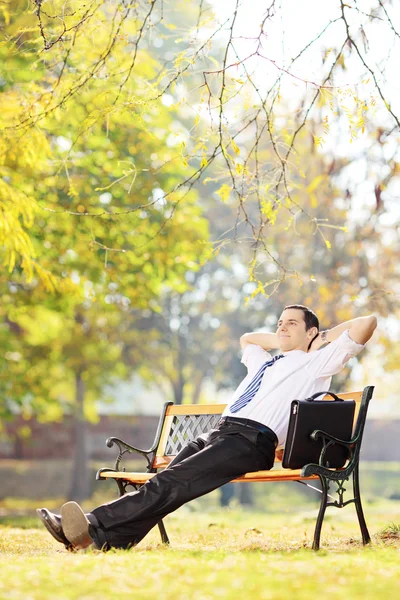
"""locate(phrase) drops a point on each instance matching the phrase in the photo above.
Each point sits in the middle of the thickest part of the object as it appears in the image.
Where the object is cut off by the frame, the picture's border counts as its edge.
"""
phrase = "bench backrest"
(182, 423)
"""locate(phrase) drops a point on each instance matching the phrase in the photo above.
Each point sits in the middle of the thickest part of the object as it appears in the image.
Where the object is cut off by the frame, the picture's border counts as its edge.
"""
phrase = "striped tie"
(253, 386)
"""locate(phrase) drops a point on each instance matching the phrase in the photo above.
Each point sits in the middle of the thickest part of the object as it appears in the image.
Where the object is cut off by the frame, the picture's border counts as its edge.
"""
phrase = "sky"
(295, 24)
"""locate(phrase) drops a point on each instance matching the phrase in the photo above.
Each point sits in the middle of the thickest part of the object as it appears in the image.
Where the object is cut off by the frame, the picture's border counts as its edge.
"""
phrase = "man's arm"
(360, 331)
(267, 341)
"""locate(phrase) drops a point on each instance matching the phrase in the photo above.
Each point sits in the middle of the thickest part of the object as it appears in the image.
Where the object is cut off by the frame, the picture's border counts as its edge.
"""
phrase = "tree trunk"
(178, 391)
(197, 387)
(179, 382)
(80, 484)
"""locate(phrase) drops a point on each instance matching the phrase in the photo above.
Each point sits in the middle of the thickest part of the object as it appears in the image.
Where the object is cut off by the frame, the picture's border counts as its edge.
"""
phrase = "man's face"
(291, 331)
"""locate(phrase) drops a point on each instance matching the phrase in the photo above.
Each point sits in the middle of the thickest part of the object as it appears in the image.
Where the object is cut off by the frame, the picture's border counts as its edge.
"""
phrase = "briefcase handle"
(334, 396)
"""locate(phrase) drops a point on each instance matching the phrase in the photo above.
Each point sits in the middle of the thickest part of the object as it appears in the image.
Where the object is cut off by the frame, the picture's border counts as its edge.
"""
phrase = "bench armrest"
(318, 433)
(330, 440)
(124, 448)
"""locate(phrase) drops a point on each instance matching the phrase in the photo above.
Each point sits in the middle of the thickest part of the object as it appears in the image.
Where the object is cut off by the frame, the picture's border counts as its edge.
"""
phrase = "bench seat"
(273, 475)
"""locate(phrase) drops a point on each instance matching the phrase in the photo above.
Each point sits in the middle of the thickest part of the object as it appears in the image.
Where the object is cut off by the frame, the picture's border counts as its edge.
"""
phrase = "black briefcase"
(332, 416)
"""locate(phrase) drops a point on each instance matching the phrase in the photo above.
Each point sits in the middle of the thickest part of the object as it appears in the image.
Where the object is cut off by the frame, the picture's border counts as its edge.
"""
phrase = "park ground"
(214, 553)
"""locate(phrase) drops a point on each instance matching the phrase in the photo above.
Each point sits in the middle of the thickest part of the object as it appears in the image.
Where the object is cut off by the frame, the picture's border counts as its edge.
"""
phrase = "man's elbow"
(364, 331)
(373, 322)
(244, 340)
(370, 324)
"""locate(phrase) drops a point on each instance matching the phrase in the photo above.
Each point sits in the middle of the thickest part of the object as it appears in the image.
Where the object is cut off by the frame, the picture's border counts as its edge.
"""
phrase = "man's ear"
(313, 335)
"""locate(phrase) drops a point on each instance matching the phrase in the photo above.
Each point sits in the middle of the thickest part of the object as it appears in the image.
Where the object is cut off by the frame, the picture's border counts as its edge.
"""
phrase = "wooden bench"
(181, 423)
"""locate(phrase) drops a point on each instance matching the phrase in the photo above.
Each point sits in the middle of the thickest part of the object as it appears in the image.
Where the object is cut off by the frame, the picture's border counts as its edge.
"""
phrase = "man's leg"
(53, 522)
(191, 448)
(229, 452)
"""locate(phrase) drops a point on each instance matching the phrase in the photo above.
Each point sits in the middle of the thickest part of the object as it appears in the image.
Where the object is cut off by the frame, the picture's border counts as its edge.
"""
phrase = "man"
(252, 426)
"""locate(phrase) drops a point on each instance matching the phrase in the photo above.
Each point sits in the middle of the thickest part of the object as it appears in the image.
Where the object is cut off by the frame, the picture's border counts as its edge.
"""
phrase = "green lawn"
(219, 554)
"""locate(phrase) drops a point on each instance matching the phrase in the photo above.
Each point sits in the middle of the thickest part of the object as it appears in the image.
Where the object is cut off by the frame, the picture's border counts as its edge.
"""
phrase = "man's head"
(297, 327)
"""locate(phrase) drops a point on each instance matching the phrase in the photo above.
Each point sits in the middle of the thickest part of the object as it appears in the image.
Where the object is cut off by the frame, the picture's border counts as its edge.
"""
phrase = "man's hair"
(310, 317)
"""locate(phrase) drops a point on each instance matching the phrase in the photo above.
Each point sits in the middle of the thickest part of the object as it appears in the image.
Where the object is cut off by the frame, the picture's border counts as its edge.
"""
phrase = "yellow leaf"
(318, 141)
(239, 168)
(268, 209)
(72, 192)
(224, 192)
(235, 148)
(204, 162)
(6, 15)
(315, 183)
(181, 56)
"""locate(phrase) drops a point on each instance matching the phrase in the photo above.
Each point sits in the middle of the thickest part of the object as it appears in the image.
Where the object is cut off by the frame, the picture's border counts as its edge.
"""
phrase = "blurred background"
(171, 176)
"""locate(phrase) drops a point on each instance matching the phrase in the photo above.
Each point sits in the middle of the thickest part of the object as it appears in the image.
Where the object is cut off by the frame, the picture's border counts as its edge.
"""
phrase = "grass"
(219, 554)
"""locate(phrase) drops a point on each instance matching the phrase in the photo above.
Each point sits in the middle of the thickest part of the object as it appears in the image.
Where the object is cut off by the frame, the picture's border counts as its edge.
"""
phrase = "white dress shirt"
(295, 377)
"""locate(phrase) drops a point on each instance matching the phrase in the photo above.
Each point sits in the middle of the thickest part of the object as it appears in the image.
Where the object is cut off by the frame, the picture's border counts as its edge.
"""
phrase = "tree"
(98, 265)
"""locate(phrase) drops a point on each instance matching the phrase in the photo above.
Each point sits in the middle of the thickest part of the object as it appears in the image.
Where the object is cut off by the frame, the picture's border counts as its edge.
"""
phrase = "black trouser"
(202, 466)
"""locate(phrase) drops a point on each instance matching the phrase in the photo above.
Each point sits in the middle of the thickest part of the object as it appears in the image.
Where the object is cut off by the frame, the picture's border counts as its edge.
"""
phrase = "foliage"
(46, 159)
(101, 233)
(92, 208)
(198, 58)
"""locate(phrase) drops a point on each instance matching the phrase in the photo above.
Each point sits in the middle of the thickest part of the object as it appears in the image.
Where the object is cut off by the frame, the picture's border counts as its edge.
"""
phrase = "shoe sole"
(49, 526)
(75, 525)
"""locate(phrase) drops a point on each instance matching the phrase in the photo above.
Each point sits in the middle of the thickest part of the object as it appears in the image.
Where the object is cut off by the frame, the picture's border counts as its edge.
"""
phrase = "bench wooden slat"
(196, 409)
(274, 475)
(217, 409)
(257, 476)
(164, 434)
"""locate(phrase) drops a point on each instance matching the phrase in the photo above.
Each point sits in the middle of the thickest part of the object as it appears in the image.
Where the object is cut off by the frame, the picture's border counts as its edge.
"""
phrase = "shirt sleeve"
(330, 360)
(253, 357)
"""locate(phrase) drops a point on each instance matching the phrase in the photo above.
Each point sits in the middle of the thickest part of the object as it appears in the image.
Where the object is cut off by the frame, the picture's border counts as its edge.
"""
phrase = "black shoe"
(53, 525)
(75, 526)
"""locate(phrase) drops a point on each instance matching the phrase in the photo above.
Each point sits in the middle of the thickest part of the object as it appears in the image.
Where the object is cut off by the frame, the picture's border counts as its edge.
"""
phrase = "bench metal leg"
(357, 500)
(161, 526)
(321, 514)
(164, 536)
